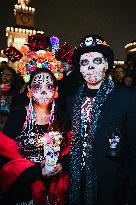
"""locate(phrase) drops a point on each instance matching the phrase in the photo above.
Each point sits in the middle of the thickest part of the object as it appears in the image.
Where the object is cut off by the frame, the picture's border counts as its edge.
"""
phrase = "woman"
(8, 91)
(34, 132)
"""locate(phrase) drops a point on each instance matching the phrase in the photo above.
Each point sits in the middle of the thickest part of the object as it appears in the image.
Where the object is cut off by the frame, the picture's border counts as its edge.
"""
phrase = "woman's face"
(93, 66)
(42, 87)
(7, 76)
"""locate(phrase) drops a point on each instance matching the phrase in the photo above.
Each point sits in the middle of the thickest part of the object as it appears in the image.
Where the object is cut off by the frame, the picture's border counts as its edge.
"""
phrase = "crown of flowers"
(39, 53)
(37, 60)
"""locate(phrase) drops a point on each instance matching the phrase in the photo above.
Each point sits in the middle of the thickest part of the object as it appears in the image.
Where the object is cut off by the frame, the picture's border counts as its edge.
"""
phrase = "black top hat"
(93, 43)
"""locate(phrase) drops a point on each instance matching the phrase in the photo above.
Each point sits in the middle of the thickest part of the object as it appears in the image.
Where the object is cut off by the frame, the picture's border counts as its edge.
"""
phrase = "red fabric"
(11, 170)
(67, 149)
(8, 147)
(58, 189)
(38, 192)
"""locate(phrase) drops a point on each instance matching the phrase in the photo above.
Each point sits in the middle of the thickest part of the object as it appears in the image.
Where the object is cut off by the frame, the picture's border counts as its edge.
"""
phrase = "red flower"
(38, 42)
(65, 53)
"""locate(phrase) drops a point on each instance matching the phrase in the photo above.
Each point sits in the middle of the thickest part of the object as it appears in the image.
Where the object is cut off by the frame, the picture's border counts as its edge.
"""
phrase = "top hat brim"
(105, 50)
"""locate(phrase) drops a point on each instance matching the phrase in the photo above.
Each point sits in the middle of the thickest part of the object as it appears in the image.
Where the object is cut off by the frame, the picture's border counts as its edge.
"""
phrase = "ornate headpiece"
(38, 60)
(39, 53)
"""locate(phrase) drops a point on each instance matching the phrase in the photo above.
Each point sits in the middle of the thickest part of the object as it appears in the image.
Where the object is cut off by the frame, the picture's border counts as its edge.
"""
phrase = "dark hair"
(119, 66)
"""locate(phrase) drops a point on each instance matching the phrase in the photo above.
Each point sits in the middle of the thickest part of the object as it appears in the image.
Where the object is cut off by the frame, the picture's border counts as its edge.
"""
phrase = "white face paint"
(92, 66)
(42, 87)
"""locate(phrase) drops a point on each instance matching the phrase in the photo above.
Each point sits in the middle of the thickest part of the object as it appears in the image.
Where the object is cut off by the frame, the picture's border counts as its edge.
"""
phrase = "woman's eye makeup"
(50, 87)
(36, 87)
(39, 87)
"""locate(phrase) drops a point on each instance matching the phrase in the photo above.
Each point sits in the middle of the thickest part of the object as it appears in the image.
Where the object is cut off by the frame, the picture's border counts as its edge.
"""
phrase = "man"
(118, 74)
(103, 144)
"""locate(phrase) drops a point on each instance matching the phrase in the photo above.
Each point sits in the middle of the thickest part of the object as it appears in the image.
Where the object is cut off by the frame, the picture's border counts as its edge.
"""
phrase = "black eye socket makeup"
(84, 62)
(97, 60)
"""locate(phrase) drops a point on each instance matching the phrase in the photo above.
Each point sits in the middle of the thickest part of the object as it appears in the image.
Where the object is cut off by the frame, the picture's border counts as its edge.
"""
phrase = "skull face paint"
(93, 66)
(42, 87)
(52, 154)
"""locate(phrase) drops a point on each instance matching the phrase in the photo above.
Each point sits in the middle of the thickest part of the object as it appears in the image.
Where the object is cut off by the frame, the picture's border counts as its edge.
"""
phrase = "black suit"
(116, 175)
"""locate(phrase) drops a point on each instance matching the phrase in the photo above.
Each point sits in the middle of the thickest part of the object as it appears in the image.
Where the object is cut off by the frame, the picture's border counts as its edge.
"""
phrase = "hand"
(56, 170)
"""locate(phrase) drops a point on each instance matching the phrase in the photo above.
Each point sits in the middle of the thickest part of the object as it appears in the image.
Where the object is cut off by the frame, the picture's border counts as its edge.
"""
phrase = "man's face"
(93, 66)
(119, 74)
(42, 87)
(128, 81)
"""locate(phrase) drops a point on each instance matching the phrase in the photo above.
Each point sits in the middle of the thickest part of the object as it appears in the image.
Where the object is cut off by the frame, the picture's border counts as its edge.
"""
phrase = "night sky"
(70, 20)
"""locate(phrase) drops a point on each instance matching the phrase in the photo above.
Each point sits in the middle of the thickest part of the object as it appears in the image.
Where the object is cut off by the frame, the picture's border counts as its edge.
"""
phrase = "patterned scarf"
(88, 193)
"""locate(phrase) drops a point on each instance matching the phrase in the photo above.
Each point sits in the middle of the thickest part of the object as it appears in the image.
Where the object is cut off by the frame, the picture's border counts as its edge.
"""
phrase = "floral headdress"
(37, 54)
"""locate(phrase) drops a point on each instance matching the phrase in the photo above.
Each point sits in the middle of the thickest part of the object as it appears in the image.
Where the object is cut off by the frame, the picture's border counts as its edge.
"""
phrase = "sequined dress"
(30, 144)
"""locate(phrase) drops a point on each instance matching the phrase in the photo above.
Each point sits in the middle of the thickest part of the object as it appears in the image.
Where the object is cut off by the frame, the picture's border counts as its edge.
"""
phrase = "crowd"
(67, 121)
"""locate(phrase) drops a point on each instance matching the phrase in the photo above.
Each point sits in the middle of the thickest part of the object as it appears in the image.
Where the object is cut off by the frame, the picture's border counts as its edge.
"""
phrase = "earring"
(29, 94)
(52, 114)
(55, 94)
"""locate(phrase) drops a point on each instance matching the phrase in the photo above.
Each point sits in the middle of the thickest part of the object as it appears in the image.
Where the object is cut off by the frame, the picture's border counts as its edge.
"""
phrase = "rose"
(38, 42)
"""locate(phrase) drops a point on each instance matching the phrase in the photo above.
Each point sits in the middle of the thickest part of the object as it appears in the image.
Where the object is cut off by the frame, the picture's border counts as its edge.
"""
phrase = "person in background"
(33, 162)
(118, 74)
(8, 91)
(102, 159)
(130, 65)
(128, 81)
